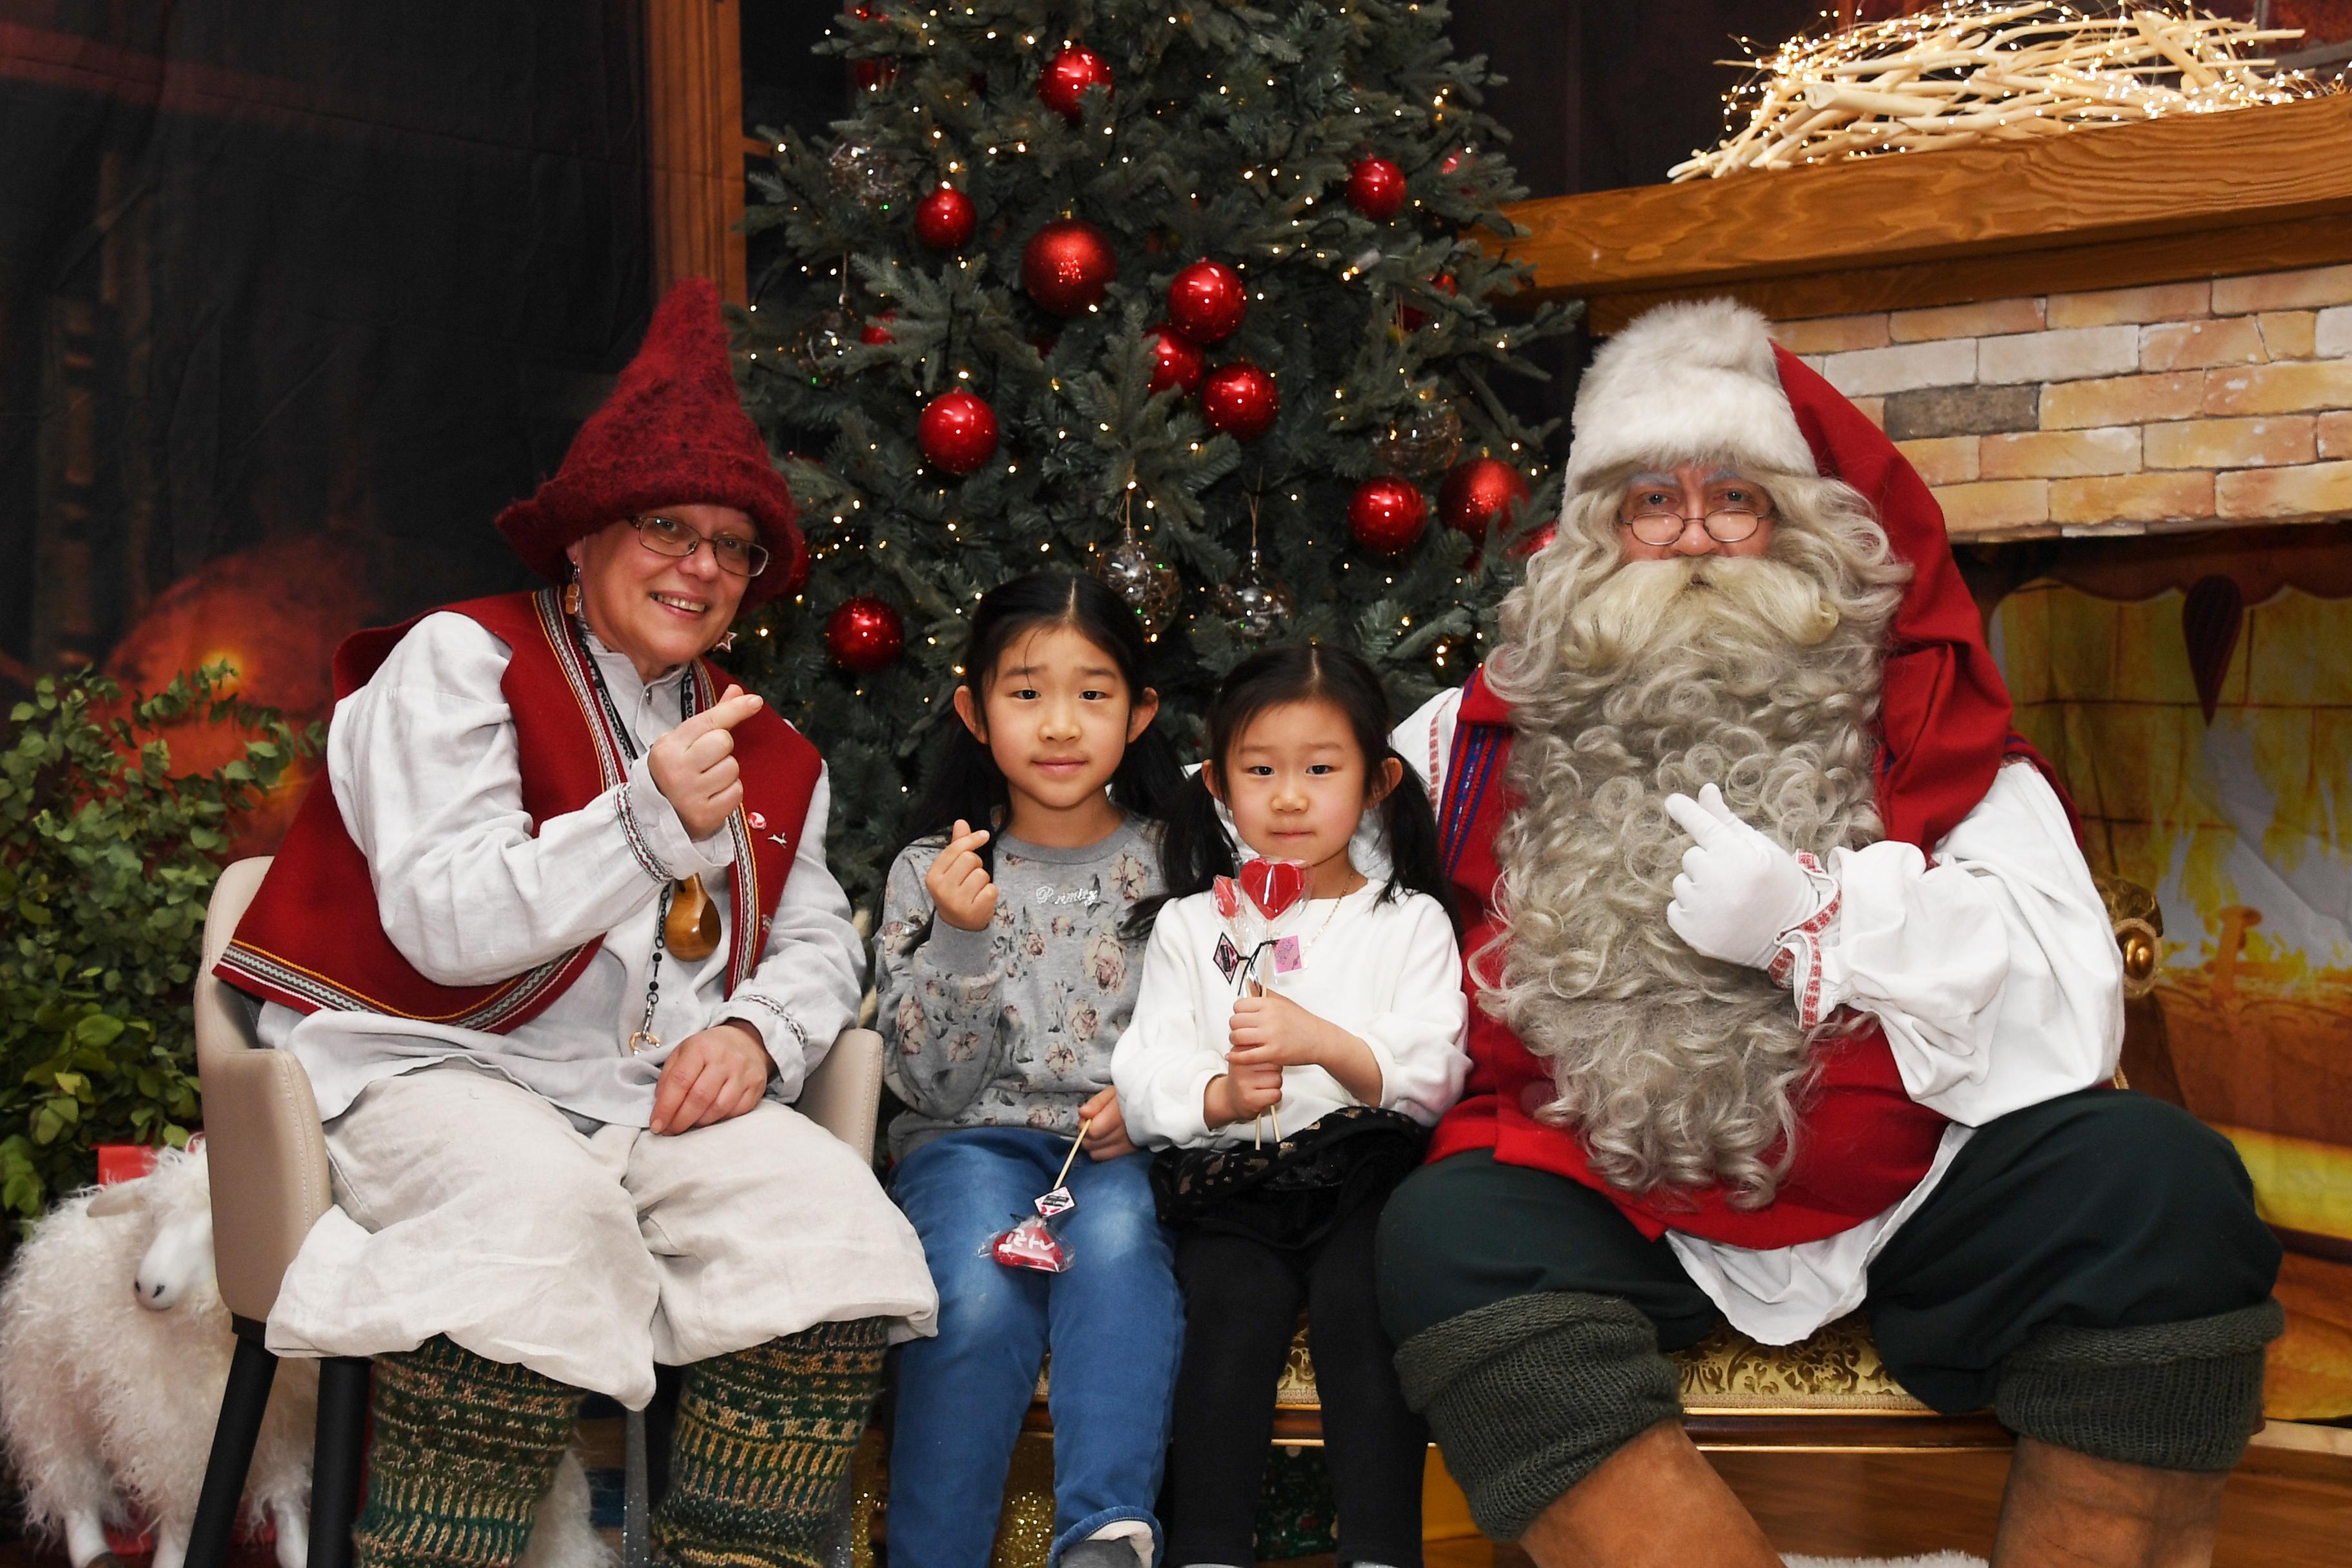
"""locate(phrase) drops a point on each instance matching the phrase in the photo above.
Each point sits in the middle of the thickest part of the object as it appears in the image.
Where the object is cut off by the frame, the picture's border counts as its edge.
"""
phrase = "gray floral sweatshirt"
(1011, 1026)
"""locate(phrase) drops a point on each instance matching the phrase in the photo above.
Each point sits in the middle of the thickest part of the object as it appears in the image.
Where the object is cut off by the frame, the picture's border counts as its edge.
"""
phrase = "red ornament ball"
(1067, 265)
(1063, 86)
(796, 578)
(1174, 361)
(1416, 320)
(1240, 400)
(872, 75)
(1386, 515)
(878, 331)
(1376, 189)
(957, 431)
(1477, 496)
(864, 634)
(1206, 303)
(944, 219)
(1541, 538)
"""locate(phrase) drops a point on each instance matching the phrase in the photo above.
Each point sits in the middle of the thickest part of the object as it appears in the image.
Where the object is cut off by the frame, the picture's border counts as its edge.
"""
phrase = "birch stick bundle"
(1967, 72)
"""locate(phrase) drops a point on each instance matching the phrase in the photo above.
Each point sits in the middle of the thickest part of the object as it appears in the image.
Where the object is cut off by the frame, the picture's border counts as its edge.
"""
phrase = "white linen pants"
(468, 1205)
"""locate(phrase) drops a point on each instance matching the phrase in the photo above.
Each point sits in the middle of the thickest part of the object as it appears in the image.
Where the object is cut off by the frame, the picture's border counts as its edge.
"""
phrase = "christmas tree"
(1176, 293)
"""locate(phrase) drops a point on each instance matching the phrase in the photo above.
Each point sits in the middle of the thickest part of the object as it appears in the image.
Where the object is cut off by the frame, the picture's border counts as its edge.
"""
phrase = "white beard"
(1628, 683)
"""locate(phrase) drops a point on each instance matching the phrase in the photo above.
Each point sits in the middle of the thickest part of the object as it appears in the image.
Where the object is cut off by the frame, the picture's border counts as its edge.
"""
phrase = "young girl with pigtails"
(1007, 965)
(1298, 1029)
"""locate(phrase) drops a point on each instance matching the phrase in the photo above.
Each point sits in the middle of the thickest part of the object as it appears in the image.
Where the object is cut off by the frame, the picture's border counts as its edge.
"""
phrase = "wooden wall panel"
(694, 142)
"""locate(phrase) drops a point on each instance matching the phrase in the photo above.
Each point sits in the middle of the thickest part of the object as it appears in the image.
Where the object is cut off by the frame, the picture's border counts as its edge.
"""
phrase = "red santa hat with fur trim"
(674, 433)
(1703, 381)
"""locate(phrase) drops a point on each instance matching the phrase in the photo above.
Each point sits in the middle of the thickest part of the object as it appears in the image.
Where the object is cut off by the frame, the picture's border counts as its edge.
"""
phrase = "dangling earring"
(726, 643)
(572, 592)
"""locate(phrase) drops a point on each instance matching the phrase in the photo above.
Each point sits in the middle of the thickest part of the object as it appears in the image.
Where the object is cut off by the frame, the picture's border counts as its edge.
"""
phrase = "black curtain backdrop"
(273, 269)
(295, 294)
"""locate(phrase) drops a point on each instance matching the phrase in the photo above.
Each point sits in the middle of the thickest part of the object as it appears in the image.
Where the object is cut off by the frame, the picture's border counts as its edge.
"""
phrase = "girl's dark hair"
(1199, 848)
(965, 784)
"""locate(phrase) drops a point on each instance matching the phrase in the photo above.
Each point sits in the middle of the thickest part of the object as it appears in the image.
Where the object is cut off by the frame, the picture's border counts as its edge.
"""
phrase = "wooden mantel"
(2193, 196)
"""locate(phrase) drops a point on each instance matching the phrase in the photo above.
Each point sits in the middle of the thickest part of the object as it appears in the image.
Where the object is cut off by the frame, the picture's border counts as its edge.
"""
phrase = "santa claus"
(1791, 994)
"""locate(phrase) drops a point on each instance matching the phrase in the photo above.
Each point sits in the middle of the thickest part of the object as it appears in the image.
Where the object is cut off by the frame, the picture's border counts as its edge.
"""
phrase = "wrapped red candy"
(1031, 1244)
(1274, 885)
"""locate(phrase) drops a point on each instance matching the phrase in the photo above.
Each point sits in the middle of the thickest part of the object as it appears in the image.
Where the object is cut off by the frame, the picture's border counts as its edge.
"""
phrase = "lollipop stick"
(1071, 1158)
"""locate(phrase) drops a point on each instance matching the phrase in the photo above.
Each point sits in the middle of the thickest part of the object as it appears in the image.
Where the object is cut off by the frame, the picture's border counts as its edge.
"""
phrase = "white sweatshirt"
(1386, 971)
(1991, 964)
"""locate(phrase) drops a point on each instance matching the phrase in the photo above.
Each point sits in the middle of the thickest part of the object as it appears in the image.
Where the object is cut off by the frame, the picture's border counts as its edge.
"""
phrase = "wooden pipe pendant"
(691, 931)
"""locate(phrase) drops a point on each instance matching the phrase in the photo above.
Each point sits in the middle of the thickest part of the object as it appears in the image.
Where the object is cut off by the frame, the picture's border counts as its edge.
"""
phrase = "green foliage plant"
(107, 860)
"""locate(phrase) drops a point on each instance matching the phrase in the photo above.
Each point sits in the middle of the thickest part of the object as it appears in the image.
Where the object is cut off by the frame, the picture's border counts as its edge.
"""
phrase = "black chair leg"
(661, 1429)
(335, 1462)
(251, 1370)
(637, 1498)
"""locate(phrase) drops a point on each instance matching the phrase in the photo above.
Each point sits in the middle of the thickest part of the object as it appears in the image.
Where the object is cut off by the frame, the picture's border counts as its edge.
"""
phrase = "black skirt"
(1289, 1194)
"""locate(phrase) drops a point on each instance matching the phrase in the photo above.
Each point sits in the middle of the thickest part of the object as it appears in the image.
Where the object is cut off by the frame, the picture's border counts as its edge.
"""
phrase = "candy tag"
(1286, 955)
(1274, 885)
(1029, 1244)
(1229, 957)
(1228, 897)
(1058, 1201)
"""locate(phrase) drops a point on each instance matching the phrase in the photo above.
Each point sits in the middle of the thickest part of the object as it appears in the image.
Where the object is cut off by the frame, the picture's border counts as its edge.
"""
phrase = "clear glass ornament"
(1423, 439)
(1257, 605)
(1148, 584)
(866, 175)
(824, 340)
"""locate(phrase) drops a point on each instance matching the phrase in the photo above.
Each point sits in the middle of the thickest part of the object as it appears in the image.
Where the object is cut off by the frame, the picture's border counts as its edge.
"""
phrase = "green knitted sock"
(2174, 1396)
(764, 1438)
(1527, 1395)
(463, 1449)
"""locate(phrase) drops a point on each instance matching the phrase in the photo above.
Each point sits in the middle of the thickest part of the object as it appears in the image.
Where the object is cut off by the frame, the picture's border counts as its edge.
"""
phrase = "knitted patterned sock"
(463, 1449)
(763, 1439)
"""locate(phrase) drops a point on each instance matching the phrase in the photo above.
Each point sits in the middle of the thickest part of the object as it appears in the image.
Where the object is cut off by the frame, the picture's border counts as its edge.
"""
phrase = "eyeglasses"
(668, 536)
(1656, 517)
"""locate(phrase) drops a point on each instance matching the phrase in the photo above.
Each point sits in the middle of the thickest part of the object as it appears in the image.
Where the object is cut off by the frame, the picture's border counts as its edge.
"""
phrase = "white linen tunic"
(1388, 973)
(435, 1235)
(424, 765)
(1991, 966)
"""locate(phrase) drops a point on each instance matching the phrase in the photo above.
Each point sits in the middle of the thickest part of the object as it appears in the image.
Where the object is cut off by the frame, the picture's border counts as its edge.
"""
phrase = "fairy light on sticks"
(1967, 72)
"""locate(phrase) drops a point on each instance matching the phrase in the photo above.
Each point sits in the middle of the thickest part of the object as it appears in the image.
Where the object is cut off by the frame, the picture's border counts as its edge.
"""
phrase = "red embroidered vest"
(1862, 1141)
(311, 939)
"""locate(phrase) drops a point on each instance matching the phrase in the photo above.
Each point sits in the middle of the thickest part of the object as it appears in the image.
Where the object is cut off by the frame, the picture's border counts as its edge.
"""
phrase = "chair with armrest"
(269, 1185)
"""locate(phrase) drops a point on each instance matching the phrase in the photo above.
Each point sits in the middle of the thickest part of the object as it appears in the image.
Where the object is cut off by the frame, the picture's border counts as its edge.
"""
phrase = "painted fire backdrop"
(2197, 700)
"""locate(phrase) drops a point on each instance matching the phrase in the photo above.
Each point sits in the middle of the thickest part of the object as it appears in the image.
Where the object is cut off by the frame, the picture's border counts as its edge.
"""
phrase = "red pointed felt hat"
(674, 433)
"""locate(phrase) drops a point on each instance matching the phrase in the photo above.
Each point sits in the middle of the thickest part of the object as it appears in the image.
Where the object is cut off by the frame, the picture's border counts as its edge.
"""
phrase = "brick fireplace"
(2184, 404)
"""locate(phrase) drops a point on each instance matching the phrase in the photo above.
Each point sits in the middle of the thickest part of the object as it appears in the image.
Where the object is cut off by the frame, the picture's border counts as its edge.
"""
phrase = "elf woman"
(555, 941)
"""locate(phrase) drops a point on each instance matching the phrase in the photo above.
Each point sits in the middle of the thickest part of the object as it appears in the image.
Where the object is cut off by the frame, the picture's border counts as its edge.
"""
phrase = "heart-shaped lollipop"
(1273, 885)
(1228, 897)
(1029, 1244)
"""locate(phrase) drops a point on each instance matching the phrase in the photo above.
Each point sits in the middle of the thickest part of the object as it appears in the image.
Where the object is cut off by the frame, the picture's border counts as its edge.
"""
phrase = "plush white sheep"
(114, 1348)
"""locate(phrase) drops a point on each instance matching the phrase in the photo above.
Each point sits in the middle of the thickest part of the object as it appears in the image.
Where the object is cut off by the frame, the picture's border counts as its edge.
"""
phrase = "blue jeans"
(1115, 1323)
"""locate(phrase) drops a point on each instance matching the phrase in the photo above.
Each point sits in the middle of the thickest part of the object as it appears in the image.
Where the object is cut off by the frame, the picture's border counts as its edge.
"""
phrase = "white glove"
(1738, 891)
